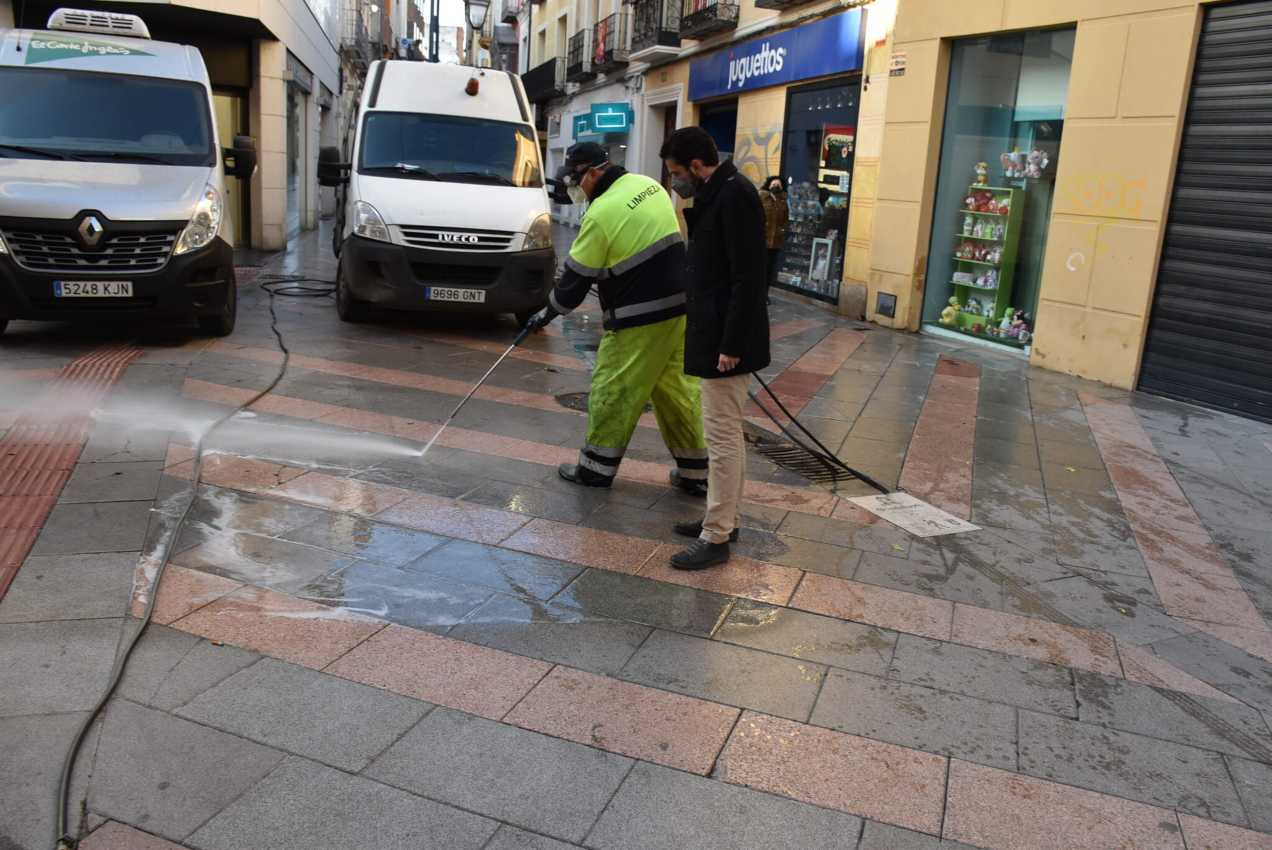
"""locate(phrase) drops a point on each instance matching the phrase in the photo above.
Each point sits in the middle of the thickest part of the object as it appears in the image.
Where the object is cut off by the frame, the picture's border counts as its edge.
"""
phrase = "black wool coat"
(726, 284)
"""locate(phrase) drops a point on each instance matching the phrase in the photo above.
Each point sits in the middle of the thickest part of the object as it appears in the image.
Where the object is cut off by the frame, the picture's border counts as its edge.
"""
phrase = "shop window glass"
(818, 149)
(1003, 120)
(720, 120)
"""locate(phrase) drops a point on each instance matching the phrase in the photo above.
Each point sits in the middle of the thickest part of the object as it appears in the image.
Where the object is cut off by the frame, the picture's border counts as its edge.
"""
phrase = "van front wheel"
(348, 308)
(222, 323)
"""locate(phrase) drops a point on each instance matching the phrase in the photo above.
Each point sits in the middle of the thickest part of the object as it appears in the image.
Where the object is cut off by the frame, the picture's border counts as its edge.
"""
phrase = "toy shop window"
(1004, 118)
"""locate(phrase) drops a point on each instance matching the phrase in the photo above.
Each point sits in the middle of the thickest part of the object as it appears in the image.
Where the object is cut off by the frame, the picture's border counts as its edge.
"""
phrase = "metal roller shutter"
(1210, 337)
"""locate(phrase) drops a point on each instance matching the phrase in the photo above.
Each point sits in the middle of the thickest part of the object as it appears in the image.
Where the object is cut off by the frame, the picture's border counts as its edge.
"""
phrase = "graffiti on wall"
(758, 152)
(1103, 193)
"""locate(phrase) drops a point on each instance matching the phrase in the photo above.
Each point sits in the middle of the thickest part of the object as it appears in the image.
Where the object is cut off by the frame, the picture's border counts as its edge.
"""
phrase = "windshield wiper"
(402, 168)
(477, 175)
(51, 154)
(134, 157)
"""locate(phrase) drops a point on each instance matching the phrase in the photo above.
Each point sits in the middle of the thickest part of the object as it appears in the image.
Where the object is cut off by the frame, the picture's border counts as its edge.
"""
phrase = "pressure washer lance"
(525, 332)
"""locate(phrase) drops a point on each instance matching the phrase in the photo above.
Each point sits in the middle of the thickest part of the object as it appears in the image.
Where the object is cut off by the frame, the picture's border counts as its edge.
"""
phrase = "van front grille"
(431, 274)
(136, 253)
(457, 239)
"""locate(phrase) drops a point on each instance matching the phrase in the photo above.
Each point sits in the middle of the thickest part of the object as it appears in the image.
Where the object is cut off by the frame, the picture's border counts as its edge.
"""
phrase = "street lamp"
(476, 10)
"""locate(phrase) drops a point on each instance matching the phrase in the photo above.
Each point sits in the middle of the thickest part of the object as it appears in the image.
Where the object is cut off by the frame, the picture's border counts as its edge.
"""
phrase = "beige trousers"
(722, 403)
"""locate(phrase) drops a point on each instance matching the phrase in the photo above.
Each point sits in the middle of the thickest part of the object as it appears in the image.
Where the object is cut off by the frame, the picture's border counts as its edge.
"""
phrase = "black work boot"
(701, 555)
(576, 474)
(693, 488)
(694, 529)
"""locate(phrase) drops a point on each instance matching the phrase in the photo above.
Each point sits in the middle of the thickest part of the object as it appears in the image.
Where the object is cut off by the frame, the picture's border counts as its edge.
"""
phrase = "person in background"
(727, 337)
(630, 248)
(776, 217)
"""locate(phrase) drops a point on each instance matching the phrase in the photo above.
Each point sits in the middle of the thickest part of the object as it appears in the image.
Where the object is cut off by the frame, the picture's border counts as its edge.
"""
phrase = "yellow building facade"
(1109, 183)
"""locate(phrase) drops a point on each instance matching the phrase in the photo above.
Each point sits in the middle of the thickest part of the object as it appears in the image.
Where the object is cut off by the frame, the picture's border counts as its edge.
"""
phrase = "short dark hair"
(688, 144)
(768, 181)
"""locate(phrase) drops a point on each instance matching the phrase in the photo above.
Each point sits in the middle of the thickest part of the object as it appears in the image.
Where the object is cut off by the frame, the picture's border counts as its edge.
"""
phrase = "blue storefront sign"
(833, 45)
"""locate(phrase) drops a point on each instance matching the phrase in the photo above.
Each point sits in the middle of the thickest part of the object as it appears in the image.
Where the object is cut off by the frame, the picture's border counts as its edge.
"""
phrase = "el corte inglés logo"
(43, 48)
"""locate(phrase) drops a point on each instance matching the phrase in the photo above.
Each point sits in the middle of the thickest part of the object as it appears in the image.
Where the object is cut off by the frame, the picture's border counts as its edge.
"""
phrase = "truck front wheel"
(222, 323)
(348, 308)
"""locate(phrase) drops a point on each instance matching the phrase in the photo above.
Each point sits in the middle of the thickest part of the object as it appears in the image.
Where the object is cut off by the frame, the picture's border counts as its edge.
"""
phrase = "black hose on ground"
(826, 456)
(284, 285)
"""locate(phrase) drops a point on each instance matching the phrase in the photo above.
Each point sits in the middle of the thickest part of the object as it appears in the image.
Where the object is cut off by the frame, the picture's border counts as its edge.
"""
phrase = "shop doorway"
(1210, 336)
(819, 142)
(297, 139)
(663, 124)
(231, 121)
(1004, 117)
(720, 120)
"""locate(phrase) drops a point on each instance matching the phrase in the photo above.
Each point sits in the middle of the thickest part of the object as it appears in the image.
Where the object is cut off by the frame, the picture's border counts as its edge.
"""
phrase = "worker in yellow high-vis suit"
(629, 246)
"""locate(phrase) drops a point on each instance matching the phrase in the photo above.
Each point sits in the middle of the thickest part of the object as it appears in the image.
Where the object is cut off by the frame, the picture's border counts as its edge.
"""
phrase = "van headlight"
(4, 249)
(368, 224)
(539, 236)
(203, 225)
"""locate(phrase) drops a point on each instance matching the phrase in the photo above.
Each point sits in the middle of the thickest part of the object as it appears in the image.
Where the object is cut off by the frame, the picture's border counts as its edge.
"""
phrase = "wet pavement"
(355, 647)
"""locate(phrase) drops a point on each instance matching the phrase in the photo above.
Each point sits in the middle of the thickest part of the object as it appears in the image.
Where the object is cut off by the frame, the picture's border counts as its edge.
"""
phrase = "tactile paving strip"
(37, 455)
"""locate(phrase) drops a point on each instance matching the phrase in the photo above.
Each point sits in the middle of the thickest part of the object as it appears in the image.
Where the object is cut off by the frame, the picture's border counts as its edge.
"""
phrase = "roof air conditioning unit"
(103, 23)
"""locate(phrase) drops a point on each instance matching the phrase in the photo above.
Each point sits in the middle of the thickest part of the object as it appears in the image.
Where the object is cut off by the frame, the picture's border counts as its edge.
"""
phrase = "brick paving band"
(38, 456)
(1191, 576)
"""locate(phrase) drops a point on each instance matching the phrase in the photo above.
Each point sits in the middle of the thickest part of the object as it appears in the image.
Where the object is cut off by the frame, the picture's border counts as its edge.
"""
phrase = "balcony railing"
(512, 9)
(546, 81)
(578, 64)
(609, 42)
(702, 18)
(655, 28)
(363, 42)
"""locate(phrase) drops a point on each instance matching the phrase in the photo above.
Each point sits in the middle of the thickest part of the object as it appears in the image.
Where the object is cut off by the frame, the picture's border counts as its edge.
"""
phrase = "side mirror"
(240, 160)
(331, 171)
(557, 193)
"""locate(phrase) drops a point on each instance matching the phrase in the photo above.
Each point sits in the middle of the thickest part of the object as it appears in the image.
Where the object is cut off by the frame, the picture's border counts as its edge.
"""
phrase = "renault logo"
(90, 230)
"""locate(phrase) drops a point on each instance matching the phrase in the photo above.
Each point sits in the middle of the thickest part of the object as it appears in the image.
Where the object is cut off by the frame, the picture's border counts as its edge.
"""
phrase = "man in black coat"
(727, 337)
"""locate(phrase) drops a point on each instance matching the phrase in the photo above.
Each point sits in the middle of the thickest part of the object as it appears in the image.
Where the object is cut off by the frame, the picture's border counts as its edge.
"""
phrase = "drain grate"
(795, 458)
(578, 401)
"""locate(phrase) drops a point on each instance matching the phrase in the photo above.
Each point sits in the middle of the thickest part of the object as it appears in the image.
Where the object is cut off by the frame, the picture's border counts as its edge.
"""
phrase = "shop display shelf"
(982, 238)
(977, 263)
(1003, 340)
(974, 286)
(975, 212)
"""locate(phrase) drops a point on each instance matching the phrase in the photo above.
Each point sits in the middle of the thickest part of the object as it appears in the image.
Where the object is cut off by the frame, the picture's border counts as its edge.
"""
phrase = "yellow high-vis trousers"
(633, 367)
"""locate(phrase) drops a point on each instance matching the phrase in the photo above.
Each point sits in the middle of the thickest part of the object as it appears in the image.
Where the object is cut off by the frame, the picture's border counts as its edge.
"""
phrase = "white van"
(444, 204)
(112, 196)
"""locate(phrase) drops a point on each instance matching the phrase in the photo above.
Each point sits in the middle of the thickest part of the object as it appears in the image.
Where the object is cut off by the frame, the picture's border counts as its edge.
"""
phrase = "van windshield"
(57, 114)
(450, 149)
